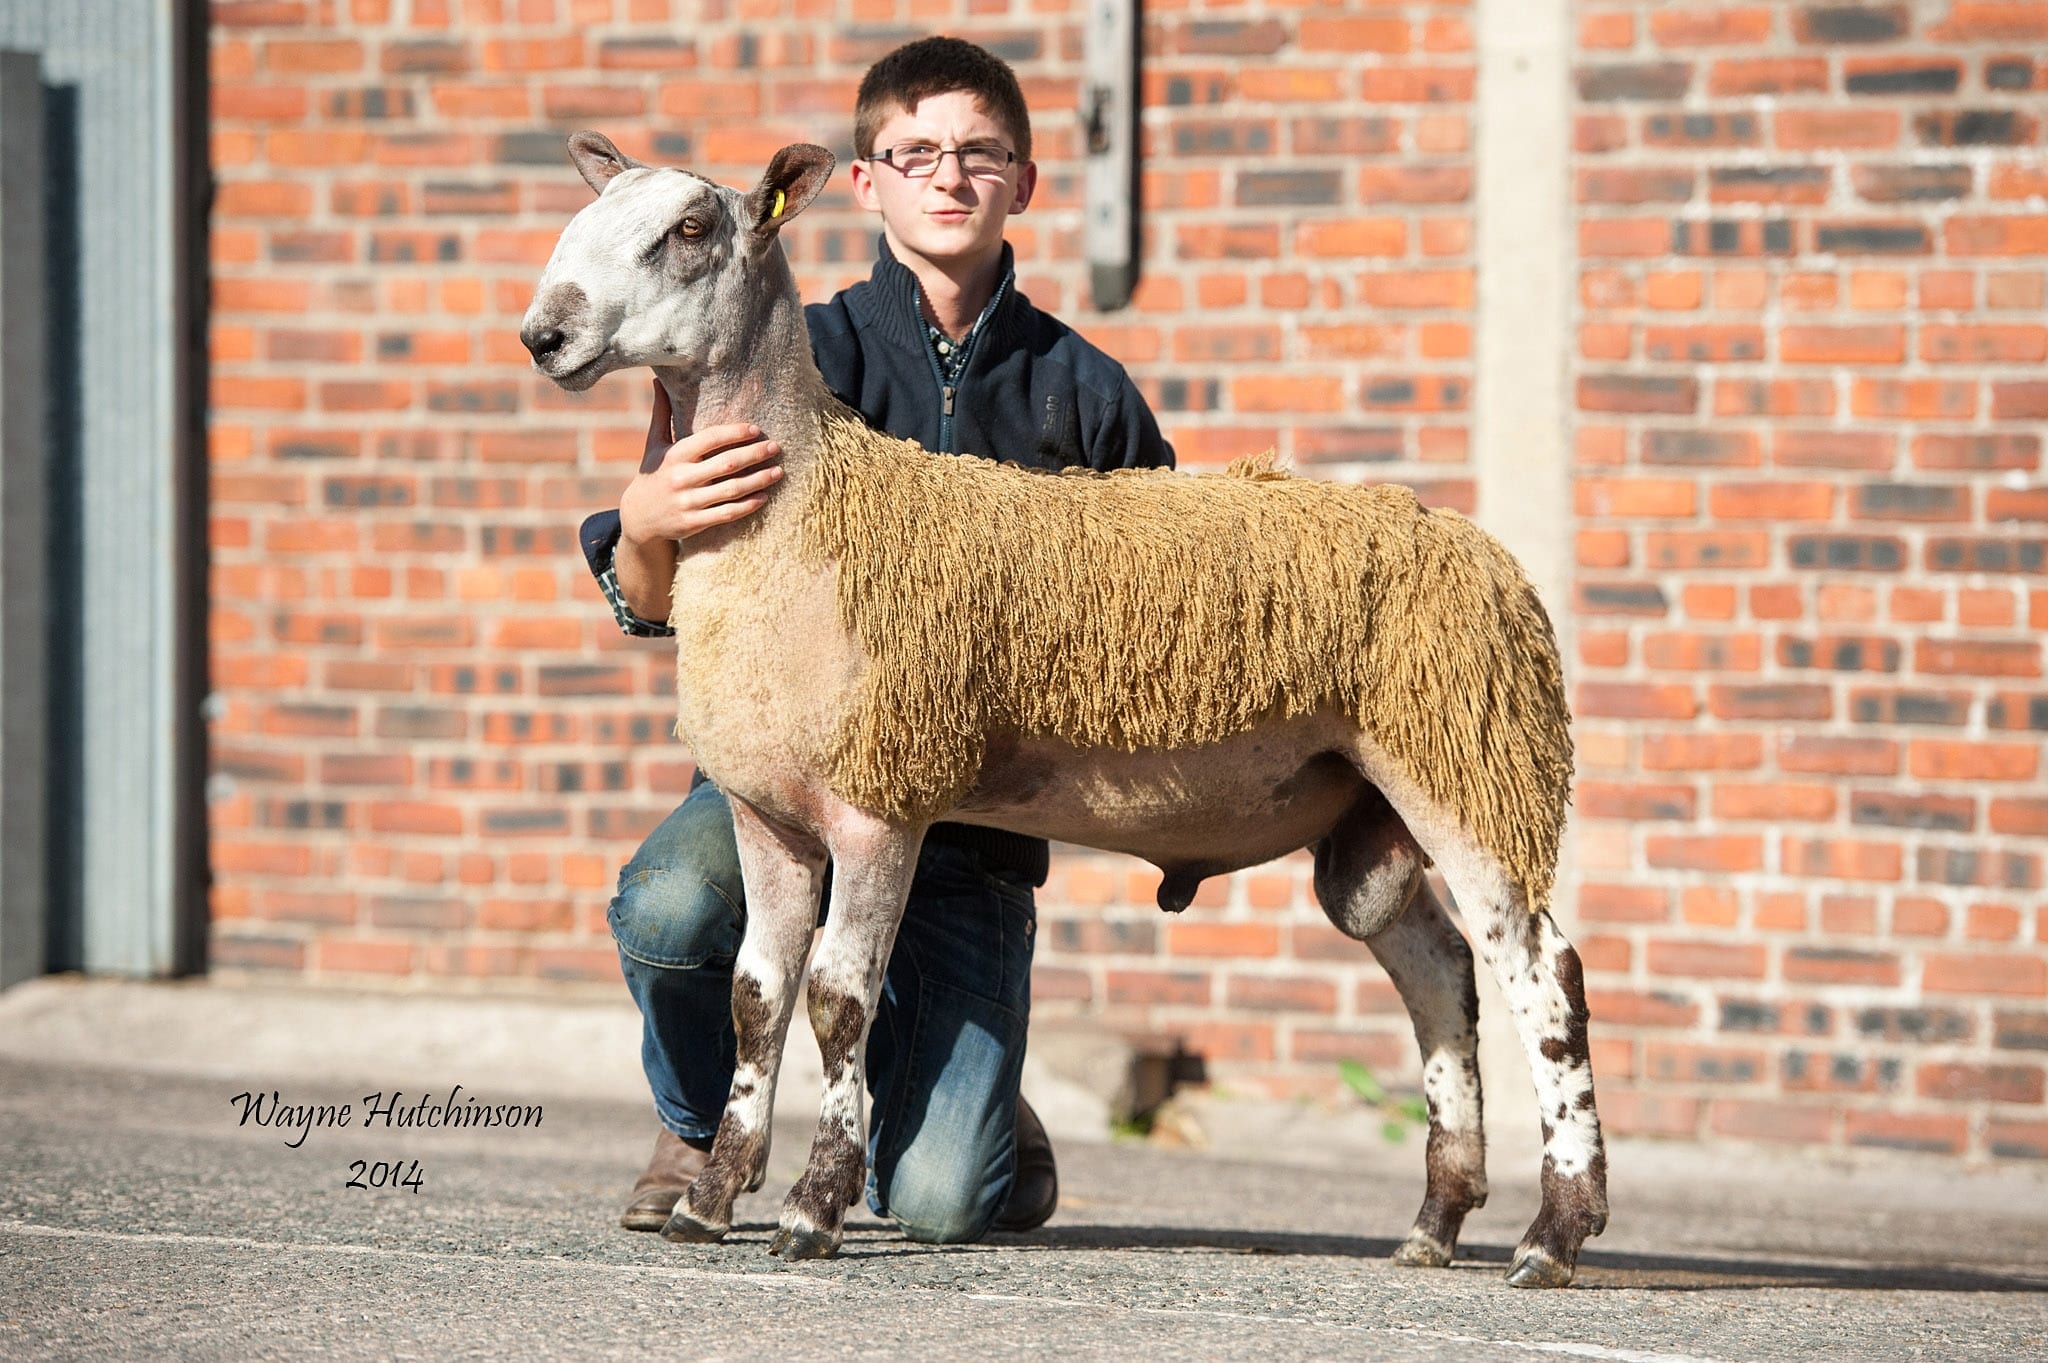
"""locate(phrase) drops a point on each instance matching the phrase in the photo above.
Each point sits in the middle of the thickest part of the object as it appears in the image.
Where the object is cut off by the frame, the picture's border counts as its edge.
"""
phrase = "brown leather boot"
(1035, 1193)
(671, 1170)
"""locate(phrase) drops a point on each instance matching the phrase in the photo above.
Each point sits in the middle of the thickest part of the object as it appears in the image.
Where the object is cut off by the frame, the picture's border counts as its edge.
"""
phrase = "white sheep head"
(663, 268)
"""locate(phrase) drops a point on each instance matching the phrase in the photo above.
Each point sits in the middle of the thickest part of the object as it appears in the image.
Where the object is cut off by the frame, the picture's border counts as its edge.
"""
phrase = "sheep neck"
(763, 373)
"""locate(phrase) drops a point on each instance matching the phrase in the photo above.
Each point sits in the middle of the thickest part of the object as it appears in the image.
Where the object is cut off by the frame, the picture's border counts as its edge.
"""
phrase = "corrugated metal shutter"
(125, 730)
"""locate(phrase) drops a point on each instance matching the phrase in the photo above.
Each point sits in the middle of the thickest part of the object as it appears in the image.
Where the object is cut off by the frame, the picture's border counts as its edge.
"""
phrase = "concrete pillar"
(1521, 437)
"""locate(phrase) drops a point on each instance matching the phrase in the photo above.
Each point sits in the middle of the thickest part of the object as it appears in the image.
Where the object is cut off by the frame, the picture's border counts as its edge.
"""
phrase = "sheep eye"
(690, 228)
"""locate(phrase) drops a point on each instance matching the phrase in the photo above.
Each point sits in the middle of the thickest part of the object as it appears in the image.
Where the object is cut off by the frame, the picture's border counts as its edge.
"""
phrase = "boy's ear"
(599, 160)
(793, 178)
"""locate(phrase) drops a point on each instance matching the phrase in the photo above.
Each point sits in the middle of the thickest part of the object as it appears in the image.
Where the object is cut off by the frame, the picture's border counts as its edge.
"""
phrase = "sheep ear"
(599, 160)
(793, 179)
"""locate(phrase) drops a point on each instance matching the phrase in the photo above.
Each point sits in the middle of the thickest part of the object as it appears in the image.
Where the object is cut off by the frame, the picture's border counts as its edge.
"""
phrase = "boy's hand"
(709, 478)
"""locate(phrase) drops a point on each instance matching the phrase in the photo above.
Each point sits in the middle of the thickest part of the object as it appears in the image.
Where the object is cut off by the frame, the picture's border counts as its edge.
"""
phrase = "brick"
(1769, 184)
(2005, 450)
(1975, 128)
(1630, 1008)
(1778, 801)
(1702, 752)
(1840, 653)
(1901, 76)
(1832, 24)
(1704, 344)
(1768, 76)
(2016, 1140)
(1673, 1062)
(1987, 554)
(1905, 1131)
(1288, 994)
(1623, 904)
(1706, 852)
(1224, 1041)
(1867, 344)
(1768, 1121)
(1701, 130)
(1637, 393)
(1967, 866)
(1382, 1051)
(1615, 185)
(364, 957)
(1949, 814)
(1633, 81)
(1968, 973)
(1632, 1112)
(1820, 129)
(1770, 701)
(1355, 34)
(1911, 183)
(1222, 939)
(1631, 700)
(1817, 1072)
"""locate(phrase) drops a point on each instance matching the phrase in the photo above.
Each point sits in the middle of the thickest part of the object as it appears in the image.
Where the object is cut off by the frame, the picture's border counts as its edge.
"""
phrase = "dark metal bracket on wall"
(1110, 96)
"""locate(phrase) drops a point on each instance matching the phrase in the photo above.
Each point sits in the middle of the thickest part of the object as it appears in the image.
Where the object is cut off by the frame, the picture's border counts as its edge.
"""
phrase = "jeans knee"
(944, 1201)
(670, 917)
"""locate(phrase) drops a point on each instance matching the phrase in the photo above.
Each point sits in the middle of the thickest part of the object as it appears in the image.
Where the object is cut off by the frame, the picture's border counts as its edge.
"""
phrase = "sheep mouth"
(583, 375)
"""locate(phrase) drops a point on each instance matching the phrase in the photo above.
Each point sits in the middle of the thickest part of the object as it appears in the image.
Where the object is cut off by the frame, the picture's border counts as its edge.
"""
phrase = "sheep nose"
(542, 343)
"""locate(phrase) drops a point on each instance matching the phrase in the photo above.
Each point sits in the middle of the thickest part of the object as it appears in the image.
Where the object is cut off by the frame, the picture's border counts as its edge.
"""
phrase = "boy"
(938, 347)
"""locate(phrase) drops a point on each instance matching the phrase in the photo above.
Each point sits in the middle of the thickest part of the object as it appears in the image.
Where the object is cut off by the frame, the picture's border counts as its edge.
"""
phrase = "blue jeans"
(945, 1054)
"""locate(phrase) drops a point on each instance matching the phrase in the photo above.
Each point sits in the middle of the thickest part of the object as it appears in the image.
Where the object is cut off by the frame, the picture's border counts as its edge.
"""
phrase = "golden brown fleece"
(1150, 609)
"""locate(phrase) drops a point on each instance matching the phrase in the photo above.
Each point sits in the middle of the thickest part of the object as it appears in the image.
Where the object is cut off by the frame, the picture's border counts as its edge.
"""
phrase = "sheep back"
(1152, 609)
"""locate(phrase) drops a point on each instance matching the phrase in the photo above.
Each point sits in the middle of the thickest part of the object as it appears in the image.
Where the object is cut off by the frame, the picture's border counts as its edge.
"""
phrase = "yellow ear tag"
(778, 205)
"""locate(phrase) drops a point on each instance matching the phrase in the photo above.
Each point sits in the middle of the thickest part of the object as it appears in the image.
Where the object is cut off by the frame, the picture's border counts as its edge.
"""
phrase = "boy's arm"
(1128, 437)
(600, 540)
(707, 479)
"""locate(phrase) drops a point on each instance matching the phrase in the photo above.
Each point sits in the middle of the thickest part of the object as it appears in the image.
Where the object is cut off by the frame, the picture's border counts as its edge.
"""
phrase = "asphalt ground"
(139, 1218)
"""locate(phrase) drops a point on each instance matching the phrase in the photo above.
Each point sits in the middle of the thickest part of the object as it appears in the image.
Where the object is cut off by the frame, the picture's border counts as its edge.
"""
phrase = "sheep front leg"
(872, 867)
(781, 870)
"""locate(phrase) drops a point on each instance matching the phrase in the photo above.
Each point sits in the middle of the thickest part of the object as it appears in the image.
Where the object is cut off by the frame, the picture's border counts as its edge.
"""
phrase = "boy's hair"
(938, 66)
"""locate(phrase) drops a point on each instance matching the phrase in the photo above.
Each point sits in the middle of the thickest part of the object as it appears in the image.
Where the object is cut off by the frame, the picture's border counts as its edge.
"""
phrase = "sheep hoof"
(803, 1242)
(686, 1229)
(1537, 1269)
(1422, 1251)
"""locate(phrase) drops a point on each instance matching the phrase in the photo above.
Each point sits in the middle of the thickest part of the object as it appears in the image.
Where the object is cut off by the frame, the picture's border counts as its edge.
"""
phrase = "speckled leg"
(783, 874)
(872, 869)
(1544, 986)
(1427, 959)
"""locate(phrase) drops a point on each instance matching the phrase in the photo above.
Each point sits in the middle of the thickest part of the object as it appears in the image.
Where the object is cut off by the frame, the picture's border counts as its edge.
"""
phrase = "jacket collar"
(892, 302)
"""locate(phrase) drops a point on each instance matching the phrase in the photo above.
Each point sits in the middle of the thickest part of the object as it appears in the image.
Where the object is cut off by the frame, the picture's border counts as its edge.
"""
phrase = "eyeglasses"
(919, 160)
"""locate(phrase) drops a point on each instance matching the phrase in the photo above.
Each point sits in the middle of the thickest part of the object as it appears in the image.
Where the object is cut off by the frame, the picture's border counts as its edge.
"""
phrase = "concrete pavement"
(139, 1217)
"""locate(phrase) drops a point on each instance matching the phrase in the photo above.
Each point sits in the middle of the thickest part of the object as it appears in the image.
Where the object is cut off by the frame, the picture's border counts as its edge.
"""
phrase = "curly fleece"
(1146, 609)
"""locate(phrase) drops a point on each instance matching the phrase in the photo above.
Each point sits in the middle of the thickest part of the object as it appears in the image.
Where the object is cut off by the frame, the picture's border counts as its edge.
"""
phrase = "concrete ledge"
(575, 1048)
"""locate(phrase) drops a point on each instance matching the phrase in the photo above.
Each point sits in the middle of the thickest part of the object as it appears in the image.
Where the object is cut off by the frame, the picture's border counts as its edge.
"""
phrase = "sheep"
(1207, 672)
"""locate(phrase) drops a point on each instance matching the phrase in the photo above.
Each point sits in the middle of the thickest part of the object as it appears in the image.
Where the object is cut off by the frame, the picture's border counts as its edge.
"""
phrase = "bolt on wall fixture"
(1109, 119)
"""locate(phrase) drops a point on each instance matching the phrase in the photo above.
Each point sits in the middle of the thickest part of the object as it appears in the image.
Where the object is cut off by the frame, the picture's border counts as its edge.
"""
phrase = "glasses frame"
(888, 156)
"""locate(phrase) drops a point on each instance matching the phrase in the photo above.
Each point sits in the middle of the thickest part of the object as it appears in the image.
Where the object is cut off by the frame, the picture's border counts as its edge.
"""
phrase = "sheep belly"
(1222, 806)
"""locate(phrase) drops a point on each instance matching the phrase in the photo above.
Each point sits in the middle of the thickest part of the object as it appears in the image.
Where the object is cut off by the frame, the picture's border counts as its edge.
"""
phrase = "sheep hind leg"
(1544, 985)
(1369, 878)
(1427, 959)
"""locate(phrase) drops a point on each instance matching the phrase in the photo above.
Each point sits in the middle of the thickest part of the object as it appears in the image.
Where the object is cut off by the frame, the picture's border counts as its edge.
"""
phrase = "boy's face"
(950, 217)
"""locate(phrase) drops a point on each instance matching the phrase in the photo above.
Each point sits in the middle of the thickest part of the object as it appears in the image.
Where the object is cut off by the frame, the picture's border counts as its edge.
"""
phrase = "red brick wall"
(1810, 551)
(438, 748)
